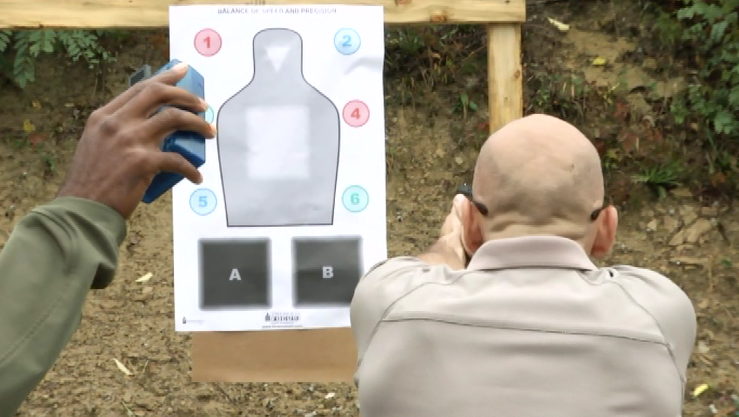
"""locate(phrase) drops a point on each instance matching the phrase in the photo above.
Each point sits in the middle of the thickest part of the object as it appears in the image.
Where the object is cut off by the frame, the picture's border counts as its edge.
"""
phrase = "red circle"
(207, 42)
(356, 113)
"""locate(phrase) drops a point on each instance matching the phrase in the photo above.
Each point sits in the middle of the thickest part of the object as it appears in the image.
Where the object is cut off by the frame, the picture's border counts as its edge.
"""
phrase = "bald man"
(531, 327)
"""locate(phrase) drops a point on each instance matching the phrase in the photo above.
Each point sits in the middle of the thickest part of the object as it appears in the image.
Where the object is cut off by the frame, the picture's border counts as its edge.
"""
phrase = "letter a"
(235, 275)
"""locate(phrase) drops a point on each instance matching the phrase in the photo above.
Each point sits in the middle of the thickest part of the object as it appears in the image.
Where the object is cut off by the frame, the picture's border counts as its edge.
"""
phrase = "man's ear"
(472, 238)
(605, 235)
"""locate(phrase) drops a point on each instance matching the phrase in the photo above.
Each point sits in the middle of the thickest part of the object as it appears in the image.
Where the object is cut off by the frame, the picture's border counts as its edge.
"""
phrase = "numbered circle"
(209, 114)
(207, 42)
(355, 199)
(203, 201)
(356, 113)
(347, 41)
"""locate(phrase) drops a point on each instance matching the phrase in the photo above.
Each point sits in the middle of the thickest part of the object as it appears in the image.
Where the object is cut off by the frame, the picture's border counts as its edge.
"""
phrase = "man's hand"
(452, 231)
(120, 150)
(449, 249)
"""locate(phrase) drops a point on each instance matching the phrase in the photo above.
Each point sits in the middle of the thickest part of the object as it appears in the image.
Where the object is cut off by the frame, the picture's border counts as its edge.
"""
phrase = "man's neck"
(564, 229)
(579, 238)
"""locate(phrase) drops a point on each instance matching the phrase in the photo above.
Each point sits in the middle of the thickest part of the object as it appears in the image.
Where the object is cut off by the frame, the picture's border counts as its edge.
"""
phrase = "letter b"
(328, 272)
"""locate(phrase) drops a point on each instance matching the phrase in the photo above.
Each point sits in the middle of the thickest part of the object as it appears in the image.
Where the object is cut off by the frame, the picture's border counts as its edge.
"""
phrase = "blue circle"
(355, 199)
(209, 115)
(347, 41)
(203, 201)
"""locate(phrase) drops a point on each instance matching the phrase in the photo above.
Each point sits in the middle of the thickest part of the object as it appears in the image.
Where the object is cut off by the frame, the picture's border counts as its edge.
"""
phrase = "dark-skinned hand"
(120, 150)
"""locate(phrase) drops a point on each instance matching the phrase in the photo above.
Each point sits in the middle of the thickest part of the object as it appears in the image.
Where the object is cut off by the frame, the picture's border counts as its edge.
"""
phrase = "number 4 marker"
(356, 113)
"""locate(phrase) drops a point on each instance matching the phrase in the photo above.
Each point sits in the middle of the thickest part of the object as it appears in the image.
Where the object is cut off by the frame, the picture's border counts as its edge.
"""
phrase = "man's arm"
(53, 257)
(62, 249)
(668, 305)
(392, 279)
(385, 284)
(449, 249)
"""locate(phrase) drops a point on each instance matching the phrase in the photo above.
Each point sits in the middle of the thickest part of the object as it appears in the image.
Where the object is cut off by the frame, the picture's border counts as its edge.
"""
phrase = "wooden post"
(505, 77)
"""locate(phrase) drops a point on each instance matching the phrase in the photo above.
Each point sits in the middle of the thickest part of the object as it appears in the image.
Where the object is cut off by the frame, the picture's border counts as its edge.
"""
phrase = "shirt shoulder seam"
(397, 300)
(654, 319)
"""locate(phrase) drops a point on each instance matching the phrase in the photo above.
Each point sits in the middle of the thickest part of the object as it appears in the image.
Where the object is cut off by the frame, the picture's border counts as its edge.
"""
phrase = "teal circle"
(347, 41)
(203, 201)
(209, 114)
(355, 199)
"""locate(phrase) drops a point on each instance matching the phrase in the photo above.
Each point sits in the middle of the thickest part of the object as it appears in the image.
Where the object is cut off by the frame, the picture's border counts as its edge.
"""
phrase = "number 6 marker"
(355, 199)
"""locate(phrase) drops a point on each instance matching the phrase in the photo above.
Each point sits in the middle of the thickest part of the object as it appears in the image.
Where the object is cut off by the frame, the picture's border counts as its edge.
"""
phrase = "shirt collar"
(531, 251)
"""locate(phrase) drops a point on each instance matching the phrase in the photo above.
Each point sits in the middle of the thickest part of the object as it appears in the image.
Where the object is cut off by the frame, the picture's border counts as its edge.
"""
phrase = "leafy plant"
(26, 46)
(465, 105)
(712, 99)
(704, 36)
(661, 177)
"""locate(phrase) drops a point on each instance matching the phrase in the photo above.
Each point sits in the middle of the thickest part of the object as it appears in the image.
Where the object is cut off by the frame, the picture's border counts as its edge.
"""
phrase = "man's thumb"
(461, 209)
(459, 205)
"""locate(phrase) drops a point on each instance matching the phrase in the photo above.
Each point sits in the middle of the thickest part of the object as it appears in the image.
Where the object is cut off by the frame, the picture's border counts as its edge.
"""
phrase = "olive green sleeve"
(54, 256)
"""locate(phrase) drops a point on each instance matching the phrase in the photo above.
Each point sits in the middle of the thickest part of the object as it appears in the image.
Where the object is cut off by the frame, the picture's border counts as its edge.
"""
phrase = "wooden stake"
(505, 75)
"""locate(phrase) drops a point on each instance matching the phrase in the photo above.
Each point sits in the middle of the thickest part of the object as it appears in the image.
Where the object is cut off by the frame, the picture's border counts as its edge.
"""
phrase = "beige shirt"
(532, 328)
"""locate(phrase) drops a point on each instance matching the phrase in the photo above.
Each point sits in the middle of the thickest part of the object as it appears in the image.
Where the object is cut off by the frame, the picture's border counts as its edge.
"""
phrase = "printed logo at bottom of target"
(281, 319)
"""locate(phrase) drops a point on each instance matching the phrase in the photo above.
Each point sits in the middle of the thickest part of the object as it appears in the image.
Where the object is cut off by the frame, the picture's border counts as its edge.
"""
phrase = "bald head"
(538, 174)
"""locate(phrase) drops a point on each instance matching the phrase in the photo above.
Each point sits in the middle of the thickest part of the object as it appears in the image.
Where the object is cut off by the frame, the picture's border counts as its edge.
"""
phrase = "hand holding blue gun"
(143, 142)
(191, 145)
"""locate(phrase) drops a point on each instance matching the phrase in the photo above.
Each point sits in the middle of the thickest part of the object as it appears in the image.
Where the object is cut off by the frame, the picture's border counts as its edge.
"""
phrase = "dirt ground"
(688, 240)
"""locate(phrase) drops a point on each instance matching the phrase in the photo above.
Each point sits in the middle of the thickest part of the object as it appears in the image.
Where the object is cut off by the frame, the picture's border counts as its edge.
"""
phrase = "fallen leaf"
(28, 127)
(686, 260)
(145, 278)
(122, 367)
(36, 104)
(36, 138)
(559, 25)
(700, 389)
(614, 154)
(599, 62)
(717, 178)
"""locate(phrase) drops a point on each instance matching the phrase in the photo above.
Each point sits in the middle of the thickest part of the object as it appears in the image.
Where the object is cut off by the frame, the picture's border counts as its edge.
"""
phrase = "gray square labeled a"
(326, 270)
(235, 274)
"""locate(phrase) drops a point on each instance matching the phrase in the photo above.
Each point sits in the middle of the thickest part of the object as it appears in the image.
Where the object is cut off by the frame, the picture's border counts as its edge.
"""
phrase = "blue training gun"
(190, 145)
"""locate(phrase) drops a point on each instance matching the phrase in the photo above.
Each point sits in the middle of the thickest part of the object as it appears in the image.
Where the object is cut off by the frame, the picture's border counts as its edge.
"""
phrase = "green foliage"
(660, 178)
(25, 46)
(709, 31)
(437, 55)
(465, 105)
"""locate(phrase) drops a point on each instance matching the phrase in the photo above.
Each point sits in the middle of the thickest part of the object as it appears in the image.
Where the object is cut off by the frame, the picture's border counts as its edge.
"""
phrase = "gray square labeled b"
(326, 270)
